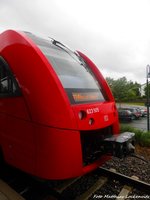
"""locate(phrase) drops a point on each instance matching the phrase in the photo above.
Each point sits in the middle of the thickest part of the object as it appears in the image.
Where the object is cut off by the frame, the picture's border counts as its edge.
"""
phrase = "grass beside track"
(141, 137)
(136, 104)
(131, 103)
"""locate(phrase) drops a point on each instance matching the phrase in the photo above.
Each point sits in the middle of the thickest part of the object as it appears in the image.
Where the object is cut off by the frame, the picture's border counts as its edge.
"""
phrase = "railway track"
(15, 185)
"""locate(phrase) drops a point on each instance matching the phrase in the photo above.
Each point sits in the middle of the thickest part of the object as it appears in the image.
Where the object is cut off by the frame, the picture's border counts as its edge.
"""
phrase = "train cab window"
(75, 75)
(8, 84)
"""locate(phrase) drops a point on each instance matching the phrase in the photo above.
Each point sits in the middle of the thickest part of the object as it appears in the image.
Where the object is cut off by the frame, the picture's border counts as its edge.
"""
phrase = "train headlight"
(82, 114)
(91, 121)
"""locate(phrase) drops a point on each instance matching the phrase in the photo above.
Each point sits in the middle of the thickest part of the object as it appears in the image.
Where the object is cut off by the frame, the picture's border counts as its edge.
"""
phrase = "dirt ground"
(143, 151)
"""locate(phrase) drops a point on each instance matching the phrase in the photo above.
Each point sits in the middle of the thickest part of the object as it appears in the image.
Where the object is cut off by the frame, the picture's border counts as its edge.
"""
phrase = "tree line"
(124, 90)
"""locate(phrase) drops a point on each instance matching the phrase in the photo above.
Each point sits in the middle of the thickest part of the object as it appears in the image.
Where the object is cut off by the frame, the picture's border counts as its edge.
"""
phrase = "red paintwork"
(40, 130)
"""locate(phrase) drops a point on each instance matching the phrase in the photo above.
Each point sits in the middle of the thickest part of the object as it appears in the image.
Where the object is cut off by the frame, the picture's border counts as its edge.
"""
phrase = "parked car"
(135, 112)
(143, 112)
(139, 111)
(125, 115)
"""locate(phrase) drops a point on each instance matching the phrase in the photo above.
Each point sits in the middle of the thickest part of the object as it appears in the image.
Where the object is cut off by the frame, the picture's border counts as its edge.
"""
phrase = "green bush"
(141, 137)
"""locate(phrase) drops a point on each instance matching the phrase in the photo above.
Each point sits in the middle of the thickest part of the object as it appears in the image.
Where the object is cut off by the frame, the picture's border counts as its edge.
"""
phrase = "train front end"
(78, 149)
(72, 113)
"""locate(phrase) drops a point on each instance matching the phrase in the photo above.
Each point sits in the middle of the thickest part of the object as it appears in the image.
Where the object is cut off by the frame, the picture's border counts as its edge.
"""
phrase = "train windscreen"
(76, 77)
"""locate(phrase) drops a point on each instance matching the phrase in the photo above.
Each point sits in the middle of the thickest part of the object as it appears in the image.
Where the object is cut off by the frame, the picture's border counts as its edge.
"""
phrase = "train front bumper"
(63, 154)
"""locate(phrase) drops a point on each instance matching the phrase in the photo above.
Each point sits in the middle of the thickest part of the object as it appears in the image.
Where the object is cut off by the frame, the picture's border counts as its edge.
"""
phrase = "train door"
(16, 132)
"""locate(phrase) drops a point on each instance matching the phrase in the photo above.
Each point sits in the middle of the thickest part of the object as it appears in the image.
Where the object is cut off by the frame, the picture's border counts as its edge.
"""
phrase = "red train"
(55, 108)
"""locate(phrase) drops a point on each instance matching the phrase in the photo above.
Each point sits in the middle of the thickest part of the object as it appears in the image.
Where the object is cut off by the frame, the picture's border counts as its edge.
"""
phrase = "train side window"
(8, 83)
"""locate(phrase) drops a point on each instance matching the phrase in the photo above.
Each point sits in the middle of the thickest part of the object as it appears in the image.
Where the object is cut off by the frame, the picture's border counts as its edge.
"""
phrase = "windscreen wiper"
(73, 54)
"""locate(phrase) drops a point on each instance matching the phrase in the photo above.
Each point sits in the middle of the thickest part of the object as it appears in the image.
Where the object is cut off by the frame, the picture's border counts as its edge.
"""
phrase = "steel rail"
(125, 179)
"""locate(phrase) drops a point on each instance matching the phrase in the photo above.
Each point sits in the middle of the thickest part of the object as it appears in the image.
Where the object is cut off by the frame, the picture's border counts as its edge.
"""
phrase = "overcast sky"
(115, 34)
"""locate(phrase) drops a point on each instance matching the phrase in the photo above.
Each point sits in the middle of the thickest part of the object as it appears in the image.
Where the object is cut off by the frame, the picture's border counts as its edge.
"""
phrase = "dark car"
(135, 112)
(125, 115)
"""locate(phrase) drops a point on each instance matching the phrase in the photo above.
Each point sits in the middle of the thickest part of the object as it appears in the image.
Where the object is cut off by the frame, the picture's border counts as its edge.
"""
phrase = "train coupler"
(120, 145)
